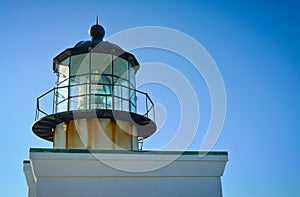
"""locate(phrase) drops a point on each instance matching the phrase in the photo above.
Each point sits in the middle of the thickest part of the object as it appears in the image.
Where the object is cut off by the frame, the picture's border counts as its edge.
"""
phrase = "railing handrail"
(54, 90)
(46, 93)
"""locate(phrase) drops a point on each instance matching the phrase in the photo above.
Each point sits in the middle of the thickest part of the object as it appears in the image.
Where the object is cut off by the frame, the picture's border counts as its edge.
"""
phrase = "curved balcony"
(60, 105)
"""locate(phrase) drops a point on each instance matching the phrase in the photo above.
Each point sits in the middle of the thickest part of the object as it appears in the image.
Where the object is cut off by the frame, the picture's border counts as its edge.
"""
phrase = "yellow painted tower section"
(96, 134)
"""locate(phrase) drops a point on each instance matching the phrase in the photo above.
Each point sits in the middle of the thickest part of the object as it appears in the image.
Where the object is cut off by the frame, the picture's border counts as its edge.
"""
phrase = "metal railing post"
(53, 101)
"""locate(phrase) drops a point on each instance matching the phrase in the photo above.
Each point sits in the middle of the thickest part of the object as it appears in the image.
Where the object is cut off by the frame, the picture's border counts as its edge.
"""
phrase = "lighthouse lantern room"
(95, 104)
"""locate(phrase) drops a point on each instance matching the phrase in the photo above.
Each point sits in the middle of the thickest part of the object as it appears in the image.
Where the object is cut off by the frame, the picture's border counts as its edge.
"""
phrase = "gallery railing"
(59, 99)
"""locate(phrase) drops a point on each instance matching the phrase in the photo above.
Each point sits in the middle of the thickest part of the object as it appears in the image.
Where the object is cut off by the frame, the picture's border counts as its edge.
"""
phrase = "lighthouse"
(97, 120)
(94, 103)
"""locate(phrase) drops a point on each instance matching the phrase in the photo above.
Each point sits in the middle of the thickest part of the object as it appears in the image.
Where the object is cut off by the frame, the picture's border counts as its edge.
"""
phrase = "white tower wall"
(61, 172)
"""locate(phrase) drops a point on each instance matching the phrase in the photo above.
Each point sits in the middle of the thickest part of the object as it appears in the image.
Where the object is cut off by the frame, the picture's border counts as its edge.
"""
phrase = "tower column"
(97, 133)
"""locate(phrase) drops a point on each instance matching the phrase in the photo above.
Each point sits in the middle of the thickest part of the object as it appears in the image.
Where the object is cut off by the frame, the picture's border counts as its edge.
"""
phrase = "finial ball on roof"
(97, 32)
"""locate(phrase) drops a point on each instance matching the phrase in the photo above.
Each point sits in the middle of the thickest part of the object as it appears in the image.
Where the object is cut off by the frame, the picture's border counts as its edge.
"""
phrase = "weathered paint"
(101, 134)
(76, 132)
(134, 138)
(97, 133)
(60, 133)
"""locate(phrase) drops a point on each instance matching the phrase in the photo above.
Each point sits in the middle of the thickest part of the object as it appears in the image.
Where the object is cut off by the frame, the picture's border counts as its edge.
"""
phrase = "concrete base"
(63, 172)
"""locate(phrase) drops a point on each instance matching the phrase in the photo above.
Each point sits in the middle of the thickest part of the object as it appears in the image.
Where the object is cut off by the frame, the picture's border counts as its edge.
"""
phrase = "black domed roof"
(98, 43)
(97, 33)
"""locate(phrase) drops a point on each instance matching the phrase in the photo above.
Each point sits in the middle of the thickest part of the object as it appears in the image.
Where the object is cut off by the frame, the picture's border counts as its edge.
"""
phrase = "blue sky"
(254, 43)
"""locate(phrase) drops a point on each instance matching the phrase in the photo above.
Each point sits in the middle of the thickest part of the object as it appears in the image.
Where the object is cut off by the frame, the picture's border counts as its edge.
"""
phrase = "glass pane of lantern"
(117, 97)
(79, 64)
(132, 77)
(101, 79)
(121, 93)
(63, 70)
(78, 102)
(63, 106)
(132, 92)
(101, 89)
(101, 102)
(101, 63)
(78, 90)
(132, 101)
(73, 103)
(62, 98)
(62, 83)
(125, 105)
(108, 100)
(125, 89)
(77, 80)
(120, 68)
